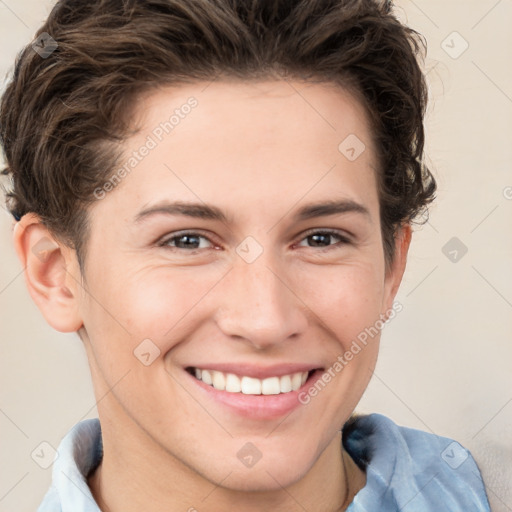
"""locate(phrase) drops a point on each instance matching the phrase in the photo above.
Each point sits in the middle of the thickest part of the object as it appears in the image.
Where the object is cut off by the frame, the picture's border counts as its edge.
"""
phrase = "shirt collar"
(406, 469)
(79, 453)
(411, 470)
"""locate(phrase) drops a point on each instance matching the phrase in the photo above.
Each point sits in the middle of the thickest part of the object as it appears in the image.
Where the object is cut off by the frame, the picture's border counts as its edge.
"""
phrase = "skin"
(259, 151)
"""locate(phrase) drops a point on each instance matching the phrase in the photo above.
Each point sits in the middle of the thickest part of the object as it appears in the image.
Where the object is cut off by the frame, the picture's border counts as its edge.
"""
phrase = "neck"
(135, 474)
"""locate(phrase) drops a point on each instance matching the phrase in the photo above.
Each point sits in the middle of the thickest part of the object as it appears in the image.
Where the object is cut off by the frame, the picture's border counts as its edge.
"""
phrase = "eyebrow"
(210, 212)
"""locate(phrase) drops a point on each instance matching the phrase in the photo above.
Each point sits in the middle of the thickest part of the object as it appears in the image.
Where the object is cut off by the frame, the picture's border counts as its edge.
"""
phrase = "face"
(268, 270)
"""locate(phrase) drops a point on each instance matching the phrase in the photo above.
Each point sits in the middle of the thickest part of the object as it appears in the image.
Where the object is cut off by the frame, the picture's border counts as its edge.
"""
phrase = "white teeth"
(233, 384)
(206, 377)
(270, 386)
(219, 382)
(250, 386)
(286, 383)
(296, 381)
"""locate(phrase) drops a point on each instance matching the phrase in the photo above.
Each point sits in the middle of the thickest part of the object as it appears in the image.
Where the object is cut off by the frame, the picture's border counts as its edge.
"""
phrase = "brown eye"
(323, 239)
(187, 240)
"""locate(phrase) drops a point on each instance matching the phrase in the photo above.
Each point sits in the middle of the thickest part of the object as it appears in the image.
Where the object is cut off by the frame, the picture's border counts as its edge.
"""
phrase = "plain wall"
(446, 360)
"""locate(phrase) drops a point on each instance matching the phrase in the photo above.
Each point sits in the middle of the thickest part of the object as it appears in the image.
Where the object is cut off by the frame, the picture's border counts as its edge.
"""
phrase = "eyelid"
(344, 237)
(176, 234)
(330, 231)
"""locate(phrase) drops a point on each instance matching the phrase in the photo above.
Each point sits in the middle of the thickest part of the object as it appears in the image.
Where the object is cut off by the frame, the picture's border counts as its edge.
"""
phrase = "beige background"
(446, 360)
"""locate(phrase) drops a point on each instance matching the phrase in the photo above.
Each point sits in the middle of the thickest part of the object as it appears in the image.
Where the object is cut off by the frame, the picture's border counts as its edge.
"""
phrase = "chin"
(264, 480)
(272, 474)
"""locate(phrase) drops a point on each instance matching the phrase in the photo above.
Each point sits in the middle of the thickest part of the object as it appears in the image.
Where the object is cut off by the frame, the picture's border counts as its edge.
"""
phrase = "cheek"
(346, 298)
(155, 303)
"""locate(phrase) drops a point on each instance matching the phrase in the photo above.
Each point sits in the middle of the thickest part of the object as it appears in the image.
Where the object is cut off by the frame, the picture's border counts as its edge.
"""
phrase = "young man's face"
(254, 294)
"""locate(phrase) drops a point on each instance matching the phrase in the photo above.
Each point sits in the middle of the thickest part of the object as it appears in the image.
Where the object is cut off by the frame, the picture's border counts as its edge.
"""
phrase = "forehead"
(225, 104)
(233, 141)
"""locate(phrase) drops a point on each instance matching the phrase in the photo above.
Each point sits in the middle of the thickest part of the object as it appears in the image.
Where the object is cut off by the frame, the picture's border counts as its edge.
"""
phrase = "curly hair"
(62, 117)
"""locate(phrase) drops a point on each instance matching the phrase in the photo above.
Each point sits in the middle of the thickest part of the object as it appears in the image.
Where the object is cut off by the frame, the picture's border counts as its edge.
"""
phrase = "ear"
(51, 273)
(396, 270)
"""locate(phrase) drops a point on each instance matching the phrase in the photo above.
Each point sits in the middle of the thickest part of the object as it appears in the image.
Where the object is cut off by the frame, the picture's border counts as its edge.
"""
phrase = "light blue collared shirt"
(407, 470)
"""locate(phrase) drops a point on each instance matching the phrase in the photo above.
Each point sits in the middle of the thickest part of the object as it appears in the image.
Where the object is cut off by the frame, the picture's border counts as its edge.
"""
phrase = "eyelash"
(343, 240)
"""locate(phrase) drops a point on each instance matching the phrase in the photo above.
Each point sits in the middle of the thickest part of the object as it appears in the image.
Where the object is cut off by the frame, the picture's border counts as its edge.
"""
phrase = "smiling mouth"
(232, 383)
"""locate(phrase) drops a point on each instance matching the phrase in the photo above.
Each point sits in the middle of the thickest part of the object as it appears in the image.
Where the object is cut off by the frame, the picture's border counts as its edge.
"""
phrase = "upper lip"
(258, 372)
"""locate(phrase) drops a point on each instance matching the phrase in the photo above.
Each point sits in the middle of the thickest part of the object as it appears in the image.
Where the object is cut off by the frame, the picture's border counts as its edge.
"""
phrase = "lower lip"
(264, 407)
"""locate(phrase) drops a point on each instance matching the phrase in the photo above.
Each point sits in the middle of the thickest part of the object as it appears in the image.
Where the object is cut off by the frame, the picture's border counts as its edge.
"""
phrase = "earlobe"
(48, 273)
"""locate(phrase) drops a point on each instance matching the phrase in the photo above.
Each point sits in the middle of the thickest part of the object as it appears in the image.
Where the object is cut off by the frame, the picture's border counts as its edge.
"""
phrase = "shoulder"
(413, 469)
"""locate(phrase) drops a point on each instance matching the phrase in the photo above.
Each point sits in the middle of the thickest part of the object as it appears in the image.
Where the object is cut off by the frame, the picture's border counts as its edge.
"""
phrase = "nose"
(259, 305)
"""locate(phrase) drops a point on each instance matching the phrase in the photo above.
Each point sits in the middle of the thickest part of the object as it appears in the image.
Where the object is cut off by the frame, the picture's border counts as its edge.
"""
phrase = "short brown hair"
(60, 115)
